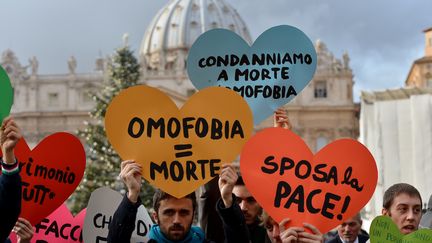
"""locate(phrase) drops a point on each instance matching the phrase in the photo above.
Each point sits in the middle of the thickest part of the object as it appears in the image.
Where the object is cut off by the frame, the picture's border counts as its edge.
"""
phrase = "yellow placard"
(180, 149)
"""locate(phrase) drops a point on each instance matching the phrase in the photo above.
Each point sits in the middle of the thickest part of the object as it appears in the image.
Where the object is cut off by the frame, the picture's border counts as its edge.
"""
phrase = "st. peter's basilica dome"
(175, 28)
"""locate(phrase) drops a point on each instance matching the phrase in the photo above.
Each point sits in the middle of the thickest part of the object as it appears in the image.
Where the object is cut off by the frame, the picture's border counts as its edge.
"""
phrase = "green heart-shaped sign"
(383, 230)
(6, 94)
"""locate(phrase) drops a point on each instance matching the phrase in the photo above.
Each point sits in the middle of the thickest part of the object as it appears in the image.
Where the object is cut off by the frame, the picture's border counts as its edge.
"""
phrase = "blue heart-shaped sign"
(268, 74)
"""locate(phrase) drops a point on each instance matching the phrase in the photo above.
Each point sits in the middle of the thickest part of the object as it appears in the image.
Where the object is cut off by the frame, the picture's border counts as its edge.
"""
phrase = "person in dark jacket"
(10, 180)
(234, 223)
(173, 216)
(350, 231)
(242, 225)
(210, 198)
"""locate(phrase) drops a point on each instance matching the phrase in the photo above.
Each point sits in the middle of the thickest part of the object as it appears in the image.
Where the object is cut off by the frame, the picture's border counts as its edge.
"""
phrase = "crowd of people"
(238, 217)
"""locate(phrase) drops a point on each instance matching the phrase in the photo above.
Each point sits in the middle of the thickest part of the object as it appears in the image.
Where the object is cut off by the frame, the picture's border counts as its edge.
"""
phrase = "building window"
(194, 24)
(320, 143)
(195, 7)
(430, 41)
(211, 7)
(320, 89)
(53, 99)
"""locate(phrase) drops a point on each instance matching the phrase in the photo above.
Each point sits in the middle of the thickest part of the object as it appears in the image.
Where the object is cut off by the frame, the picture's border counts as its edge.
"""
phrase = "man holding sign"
(211, 197)
(238, 209)
(402, 203)
(10, 180)
(173, 216)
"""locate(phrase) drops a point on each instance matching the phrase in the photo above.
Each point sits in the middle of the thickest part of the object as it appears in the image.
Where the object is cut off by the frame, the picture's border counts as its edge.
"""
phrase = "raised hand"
(280, 119)
(316, 237)
(288, 235)
(227, 179)
(131, 175)
(24, 230)
(9, 137)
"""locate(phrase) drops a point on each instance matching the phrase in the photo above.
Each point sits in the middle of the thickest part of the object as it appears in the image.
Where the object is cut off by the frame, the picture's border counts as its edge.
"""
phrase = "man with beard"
(173, 216)
(210, 198)
(238, 209)
(350, 231)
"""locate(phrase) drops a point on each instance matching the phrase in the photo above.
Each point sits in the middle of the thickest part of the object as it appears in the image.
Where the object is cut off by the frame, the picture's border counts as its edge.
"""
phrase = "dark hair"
(357, 217)
(160, 195)
(396, 190)
(239, 181)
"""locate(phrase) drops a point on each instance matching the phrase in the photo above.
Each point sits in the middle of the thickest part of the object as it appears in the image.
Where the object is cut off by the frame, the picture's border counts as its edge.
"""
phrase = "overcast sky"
(382, 37)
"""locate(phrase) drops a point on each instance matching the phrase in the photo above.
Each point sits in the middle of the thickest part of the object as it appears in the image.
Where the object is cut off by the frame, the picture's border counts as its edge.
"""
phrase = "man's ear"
(155, 217)
(384, 211)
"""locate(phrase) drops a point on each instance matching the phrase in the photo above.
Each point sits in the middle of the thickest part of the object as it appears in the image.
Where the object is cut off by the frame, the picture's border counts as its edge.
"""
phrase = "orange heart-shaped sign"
(179, 149)
(321, 189)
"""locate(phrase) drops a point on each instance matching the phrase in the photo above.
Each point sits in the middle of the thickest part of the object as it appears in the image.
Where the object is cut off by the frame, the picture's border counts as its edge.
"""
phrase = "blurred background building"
(395, 124)
(48, 103)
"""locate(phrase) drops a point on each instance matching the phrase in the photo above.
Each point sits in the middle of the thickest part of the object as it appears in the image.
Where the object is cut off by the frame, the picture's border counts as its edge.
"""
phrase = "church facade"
(48, 103)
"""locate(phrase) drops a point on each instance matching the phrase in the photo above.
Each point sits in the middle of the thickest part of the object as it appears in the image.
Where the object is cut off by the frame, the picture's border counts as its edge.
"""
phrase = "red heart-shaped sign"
(289, 181)
(50, 173)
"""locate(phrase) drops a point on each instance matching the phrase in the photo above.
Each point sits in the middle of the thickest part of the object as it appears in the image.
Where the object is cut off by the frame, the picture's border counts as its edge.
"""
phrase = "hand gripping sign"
(268, 74)
(101, 207)
(6, 95)
(58, 227)
(179, 149)
(321, 189)
(384, 230)
(50, 173)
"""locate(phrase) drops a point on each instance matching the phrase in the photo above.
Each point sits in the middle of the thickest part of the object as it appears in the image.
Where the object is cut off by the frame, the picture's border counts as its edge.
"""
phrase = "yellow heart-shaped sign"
(179, 149)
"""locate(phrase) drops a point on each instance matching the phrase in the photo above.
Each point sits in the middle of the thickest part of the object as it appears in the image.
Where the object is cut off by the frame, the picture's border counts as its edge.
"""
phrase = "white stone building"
(48, 103)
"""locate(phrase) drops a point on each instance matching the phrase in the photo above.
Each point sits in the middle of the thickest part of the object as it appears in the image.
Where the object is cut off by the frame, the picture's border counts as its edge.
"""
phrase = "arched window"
(320, 89)
(321, 142)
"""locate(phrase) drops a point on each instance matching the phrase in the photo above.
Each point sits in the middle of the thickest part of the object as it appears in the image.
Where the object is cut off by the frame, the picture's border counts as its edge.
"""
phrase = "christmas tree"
(103, 163)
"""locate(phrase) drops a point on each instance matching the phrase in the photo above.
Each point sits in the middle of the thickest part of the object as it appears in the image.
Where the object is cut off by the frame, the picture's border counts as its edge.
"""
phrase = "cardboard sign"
(383, 230)
(50, 173)
(58, 227)
(269, 74)
(6, 95)
(322, 189)
(101, 207)
(179, 149)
